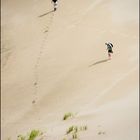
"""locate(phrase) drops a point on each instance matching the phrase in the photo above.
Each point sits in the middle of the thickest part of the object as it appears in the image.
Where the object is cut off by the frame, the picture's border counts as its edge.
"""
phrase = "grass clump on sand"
(68, 115)
(64, 139)
(31, 136)
(34, 134)
(73, 131)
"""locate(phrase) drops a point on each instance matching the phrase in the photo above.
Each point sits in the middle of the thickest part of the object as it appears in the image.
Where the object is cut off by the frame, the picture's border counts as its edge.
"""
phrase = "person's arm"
(106, 46)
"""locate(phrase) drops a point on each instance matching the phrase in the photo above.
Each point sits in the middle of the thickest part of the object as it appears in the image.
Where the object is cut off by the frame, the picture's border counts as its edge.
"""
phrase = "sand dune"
(56, 62)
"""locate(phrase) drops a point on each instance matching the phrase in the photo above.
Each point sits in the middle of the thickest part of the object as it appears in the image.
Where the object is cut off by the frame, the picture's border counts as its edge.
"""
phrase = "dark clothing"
(110, 51)
(54, 1)
(109, 47)
(110, 44)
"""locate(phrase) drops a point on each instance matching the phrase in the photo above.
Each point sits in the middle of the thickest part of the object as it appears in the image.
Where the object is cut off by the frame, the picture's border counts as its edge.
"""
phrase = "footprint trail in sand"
(41, 49)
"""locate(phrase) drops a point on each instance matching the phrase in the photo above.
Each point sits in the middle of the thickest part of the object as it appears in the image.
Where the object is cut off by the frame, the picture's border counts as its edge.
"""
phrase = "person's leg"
(109, 55)
(55, 6)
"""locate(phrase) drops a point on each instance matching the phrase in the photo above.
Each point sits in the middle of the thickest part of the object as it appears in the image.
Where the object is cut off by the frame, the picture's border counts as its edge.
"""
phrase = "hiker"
(109, 48)
(55, 4)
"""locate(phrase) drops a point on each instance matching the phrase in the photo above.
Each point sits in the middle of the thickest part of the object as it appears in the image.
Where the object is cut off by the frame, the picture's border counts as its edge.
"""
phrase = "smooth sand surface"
(54, 63)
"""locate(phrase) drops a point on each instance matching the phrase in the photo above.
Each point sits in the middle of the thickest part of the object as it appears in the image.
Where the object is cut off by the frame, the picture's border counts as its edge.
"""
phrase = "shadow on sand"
(99, 62)
(46, 13)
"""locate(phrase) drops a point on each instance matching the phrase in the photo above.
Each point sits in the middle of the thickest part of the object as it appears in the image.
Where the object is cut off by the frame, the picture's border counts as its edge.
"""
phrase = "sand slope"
(59, 61)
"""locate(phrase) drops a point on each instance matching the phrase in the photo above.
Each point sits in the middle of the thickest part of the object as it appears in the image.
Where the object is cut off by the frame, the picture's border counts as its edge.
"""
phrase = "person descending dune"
(109, 48)
(55, 4)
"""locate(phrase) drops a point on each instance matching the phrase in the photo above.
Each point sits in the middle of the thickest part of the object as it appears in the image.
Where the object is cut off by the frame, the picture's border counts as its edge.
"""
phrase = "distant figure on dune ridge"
(55, 4)
(109, 48)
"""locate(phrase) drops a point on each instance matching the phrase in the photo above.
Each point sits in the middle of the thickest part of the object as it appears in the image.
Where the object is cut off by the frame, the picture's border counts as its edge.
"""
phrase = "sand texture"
(57, 62)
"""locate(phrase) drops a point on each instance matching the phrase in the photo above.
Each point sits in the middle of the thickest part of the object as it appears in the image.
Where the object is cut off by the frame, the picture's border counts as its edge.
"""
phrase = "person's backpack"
(109, 47)
(110, 44)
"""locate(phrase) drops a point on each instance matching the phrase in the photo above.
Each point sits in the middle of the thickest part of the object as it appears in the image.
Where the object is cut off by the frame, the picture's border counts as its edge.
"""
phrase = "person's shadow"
(98, 62)
(46, 13)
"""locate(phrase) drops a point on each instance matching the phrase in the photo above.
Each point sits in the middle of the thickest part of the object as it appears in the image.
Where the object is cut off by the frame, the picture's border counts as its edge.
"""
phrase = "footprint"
(101, 133)
(35, 83)
(33, 102)
(47, 30)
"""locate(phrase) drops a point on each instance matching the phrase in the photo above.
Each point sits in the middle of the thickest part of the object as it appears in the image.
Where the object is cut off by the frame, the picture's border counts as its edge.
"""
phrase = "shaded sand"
(54, 63)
